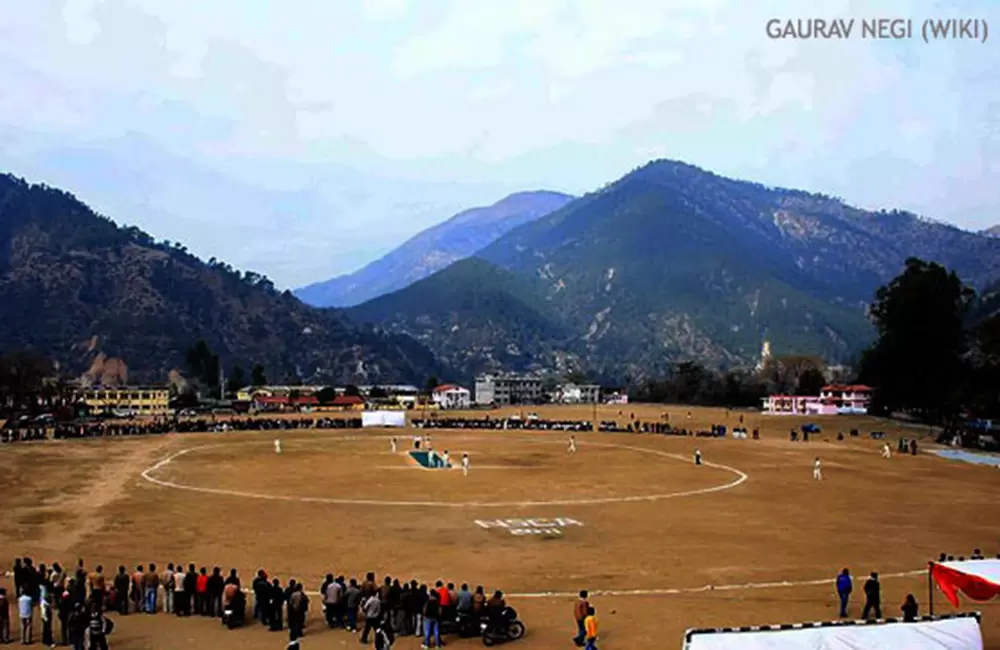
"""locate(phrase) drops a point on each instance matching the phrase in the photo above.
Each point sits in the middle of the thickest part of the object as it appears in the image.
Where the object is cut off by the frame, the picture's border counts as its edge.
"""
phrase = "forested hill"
(672, 262)
(76, 286)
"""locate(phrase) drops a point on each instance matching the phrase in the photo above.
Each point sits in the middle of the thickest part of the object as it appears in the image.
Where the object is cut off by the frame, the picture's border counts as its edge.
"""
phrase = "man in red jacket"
(580, 614)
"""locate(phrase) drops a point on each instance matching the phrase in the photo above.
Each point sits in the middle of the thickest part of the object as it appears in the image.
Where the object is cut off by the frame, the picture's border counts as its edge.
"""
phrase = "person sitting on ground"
(910, 609)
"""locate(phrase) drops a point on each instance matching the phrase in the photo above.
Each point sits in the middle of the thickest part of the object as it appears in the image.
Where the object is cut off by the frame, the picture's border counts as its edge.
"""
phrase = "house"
(451, 396)
(847, 398)
(348, 402)
(578, 394)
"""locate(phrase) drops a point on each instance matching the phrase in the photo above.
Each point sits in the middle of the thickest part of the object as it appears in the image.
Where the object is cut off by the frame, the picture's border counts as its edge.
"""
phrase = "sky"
(303, 138)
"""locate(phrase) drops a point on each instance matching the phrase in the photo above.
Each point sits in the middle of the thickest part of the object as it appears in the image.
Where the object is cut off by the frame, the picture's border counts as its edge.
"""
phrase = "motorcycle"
(508, 628)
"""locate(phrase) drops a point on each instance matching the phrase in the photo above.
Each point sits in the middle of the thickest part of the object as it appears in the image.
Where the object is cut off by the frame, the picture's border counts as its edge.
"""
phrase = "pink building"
(849, 398)
(832, 400)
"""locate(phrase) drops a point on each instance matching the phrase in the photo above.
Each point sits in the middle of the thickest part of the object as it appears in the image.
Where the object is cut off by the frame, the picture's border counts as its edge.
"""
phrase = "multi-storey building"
(126, 400)
(503, 390)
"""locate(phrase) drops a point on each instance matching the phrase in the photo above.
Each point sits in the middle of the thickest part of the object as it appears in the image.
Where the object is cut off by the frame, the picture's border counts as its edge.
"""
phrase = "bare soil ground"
(340, 501)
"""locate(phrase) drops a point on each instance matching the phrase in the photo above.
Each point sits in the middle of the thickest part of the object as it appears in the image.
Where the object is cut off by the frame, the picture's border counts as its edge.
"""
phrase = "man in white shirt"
(26, 609)
(168, 589)
(817, 470)
(886, 451)
(572, 445)
(277, 446)
(465, 464)
(445, 460)
(697, 457)
(392, 444)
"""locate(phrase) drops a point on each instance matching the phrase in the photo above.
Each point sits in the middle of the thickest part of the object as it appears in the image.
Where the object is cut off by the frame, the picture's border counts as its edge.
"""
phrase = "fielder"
(446, 459)
(697, 457)
(817, 470)
(886, 451)
(465, 464)
(392, 443)
(277, 446)
(572, 445)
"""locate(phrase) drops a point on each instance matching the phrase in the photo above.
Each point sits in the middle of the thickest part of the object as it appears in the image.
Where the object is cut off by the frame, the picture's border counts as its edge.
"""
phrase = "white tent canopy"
(959, 632)
(383, 419)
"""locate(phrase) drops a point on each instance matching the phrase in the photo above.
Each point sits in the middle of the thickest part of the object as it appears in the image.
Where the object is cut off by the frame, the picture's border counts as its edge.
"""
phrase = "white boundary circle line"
(740, 478)
(707, 588)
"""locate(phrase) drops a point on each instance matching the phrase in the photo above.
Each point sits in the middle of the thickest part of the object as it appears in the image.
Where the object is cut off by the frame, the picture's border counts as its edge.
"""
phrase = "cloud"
(485, 96)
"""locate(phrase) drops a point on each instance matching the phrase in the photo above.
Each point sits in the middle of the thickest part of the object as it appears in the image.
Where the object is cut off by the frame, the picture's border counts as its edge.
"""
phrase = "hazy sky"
(303, 137)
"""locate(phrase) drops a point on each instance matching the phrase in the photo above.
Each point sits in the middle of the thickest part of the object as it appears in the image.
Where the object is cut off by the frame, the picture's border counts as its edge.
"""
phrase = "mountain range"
(673, 262)
(669, 262)
(433, 249)
(86, 292)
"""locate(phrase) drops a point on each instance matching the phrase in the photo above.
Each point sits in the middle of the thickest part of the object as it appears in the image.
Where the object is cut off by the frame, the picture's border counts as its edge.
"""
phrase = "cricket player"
(697, 457)
(277, 446)
(886, 451)
(817, 470)
(465, 464)
(572, 445)
(446, 459)
(392, 443)
(427, 443)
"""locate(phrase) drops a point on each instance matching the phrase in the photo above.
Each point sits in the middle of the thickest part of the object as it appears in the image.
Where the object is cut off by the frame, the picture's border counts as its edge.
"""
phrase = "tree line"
(935, 356)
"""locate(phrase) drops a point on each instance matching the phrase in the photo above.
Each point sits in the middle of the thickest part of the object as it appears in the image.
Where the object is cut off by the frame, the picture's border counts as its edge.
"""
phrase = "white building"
(578, 394)
(451, 396)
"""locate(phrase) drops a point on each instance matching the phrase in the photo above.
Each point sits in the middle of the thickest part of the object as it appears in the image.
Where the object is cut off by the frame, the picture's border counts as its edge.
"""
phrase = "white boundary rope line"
(746, 586)
(741, 477)
(707, 588)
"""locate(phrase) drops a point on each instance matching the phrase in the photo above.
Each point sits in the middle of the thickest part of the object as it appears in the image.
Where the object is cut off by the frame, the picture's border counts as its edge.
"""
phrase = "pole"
(930, 587)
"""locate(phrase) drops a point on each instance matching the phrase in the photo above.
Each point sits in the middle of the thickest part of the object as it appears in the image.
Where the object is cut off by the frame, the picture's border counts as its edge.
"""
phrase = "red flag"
(951, 581)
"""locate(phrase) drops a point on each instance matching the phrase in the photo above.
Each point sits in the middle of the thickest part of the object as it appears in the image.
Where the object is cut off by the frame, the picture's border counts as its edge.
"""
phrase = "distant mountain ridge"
(673, 262)
(433, 249)
(78, 288)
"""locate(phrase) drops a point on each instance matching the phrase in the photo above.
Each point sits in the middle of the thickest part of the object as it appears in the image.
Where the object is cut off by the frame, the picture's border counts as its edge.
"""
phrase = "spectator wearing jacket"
(4, 617)
(432, 621)
(121, 585)
(372, 608)
(873, 597)
(261, 596)
(580, 609)
(844, 588)
(216, 584)
(352, 600)
(298, 606)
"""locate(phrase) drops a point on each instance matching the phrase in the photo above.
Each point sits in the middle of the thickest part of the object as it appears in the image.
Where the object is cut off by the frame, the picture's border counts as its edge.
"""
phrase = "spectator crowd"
(377, 610)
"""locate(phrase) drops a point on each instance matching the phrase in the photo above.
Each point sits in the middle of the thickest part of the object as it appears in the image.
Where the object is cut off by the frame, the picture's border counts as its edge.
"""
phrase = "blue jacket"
(844, 585)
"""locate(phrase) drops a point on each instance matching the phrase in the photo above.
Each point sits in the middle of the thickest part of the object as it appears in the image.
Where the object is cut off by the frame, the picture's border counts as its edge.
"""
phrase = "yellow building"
(127, 400)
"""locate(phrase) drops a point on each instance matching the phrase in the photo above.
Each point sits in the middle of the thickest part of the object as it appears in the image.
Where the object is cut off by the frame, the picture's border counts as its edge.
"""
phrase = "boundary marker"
(741, 478)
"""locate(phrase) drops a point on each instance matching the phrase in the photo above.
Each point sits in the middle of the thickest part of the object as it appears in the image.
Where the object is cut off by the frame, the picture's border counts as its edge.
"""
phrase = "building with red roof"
(451, 396)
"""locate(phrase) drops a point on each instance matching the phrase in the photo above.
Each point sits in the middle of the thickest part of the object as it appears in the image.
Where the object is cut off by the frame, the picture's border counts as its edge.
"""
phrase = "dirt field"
(643, 518)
